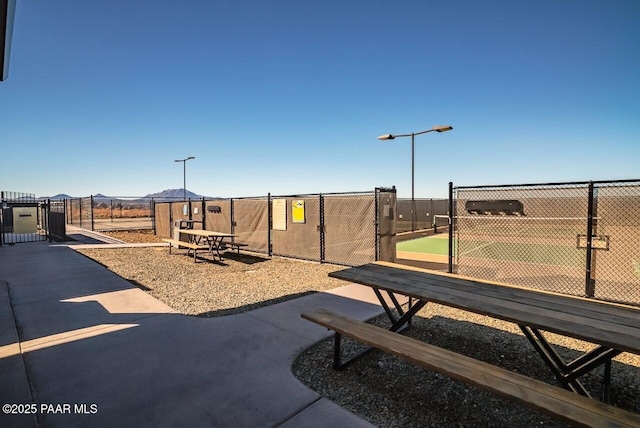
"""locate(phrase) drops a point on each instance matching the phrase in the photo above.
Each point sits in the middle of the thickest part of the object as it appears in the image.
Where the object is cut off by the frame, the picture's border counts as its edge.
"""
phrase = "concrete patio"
(74, 333)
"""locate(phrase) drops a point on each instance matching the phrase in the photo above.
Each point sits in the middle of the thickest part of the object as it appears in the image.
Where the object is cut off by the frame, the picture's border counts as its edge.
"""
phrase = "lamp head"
(442, 128)
(386, 137)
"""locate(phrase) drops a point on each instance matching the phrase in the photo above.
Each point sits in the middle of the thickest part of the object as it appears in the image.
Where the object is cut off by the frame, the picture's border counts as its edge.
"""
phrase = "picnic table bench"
(200, 240)
(556, 402)
(184, 244)
(236, 245)
(613, 328)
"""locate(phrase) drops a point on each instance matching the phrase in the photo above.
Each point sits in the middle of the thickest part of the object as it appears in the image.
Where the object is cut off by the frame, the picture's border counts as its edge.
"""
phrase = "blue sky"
(288, 97)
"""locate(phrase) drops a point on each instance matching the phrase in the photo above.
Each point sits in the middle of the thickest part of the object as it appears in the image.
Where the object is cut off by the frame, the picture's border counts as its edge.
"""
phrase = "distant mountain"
(172, 195)
(57, 197)
(164, 196)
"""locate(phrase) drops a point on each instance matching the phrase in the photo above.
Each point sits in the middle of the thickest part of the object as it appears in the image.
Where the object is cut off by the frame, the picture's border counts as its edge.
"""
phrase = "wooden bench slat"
(235, 245)
(567, 304)
(554, 401)
(191, 245)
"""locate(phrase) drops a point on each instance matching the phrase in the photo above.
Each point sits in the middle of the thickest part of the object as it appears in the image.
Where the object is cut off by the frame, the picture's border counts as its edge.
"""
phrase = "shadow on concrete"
(88, 337)
(253, 306)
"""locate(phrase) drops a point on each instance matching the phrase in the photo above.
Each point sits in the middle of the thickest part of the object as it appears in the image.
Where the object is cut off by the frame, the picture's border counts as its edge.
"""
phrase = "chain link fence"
(342, 228)
(425, 210)
(101, 213)
(537, 236)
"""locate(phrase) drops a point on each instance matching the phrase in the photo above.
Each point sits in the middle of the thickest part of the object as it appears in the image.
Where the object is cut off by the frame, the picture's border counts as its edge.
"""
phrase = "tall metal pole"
(184, 180)
(413, 196)
(184, 175)
(437, 128)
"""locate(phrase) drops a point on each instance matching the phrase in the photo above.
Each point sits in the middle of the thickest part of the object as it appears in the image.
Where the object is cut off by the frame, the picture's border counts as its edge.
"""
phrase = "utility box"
(25, 220)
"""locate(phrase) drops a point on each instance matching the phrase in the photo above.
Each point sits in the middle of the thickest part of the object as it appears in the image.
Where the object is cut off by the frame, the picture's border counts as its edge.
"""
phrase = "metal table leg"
(568, 373)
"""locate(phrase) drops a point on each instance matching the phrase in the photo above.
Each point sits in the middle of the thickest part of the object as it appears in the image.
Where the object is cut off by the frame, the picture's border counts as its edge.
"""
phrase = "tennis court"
(543, 243)
(540, 253)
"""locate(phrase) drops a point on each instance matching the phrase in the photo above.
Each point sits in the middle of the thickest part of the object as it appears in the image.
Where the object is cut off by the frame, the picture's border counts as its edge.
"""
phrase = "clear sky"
(288, 97)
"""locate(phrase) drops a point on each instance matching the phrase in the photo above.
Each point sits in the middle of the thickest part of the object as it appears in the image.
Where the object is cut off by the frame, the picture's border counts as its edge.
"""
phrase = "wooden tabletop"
(603, 323)
(206, 233)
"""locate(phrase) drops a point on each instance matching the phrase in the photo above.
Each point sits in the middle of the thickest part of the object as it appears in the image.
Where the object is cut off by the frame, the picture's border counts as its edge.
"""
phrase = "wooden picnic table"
(213, 240)
(613, 328)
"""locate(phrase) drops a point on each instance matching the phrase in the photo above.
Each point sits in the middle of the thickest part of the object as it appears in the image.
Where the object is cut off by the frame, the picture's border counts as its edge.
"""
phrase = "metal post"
(152, 207)
(184, 180)
(377, 224)
(450, 227)
(1, 218)
(92, 224)
(269, 225)
(589, 281)
(184, 175)
(204, 214)
(170, 219)
(111, 209)
(321, 229)
(47, 221)
(232, 215)
(413, 197)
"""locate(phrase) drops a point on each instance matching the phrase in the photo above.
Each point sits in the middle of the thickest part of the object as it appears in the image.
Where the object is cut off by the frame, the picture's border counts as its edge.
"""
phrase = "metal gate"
(23, 218)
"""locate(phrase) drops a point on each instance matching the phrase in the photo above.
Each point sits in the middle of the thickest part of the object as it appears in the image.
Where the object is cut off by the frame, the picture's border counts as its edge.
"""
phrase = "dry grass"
(134, 236)
(121, 213)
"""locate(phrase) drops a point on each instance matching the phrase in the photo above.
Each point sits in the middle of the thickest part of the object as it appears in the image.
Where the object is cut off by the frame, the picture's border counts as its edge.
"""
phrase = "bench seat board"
(554, 401)
(184, 244)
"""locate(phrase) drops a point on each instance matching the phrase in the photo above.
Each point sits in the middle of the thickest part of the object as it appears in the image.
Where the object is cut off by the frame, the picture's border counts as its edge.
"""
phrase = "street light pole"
(413, 182)
(437, 128)
(184, 175)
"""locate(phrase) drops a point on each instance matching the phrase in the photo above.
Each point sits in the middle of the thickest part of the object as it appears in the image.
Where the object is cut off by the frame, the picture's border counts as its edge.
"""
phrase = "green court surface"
(549, 254)
(428, 245)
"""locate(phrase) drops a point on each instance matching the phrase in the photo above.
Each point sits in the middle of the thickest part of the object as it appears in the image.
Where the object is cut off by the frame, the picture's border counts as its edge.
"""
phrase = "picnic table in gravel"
(201, 240)
(613, 328)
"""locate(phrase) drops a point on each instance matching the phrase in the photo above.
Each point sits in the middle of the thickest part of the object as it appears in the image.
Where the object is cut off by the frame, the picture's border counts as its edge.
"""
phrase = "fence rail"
(426, 211)
(578, 238)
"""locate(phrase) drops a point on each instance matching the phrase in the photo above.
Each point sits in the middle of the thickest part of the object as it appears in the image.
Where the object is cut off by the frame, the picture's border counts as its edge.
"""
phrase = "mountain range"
(165, 195)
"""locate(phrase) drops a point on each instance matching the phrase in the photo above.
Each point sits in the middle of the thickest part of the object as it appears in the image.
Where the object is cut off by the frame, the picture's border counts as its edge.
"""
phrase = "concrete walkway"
(89, 349)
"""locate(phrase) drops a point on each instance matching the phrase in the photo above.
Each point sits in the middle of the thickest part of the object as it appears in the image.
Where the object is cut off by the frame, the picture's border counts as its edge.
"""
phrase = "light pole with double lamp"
(437, 128)
(184, 175)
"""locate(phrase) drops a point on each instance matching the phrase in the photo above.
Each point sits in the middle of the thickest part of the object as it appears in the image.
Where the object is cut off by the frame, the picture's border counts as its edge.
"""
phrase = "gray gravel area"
(390, 392)
(379, 387)
(237, 284)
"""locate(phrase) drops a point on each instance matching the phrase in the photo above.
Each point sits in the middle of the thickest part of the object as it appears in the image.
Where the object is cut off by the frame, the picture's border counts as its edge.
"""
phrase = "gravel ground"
(238, 284)
(393, 393)
(380, 388)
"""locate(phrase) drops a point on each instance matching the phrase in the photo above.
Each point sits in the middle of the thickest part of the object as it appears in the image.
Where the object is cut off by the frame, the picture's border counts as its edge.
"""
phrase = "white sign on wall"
(279, 213)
